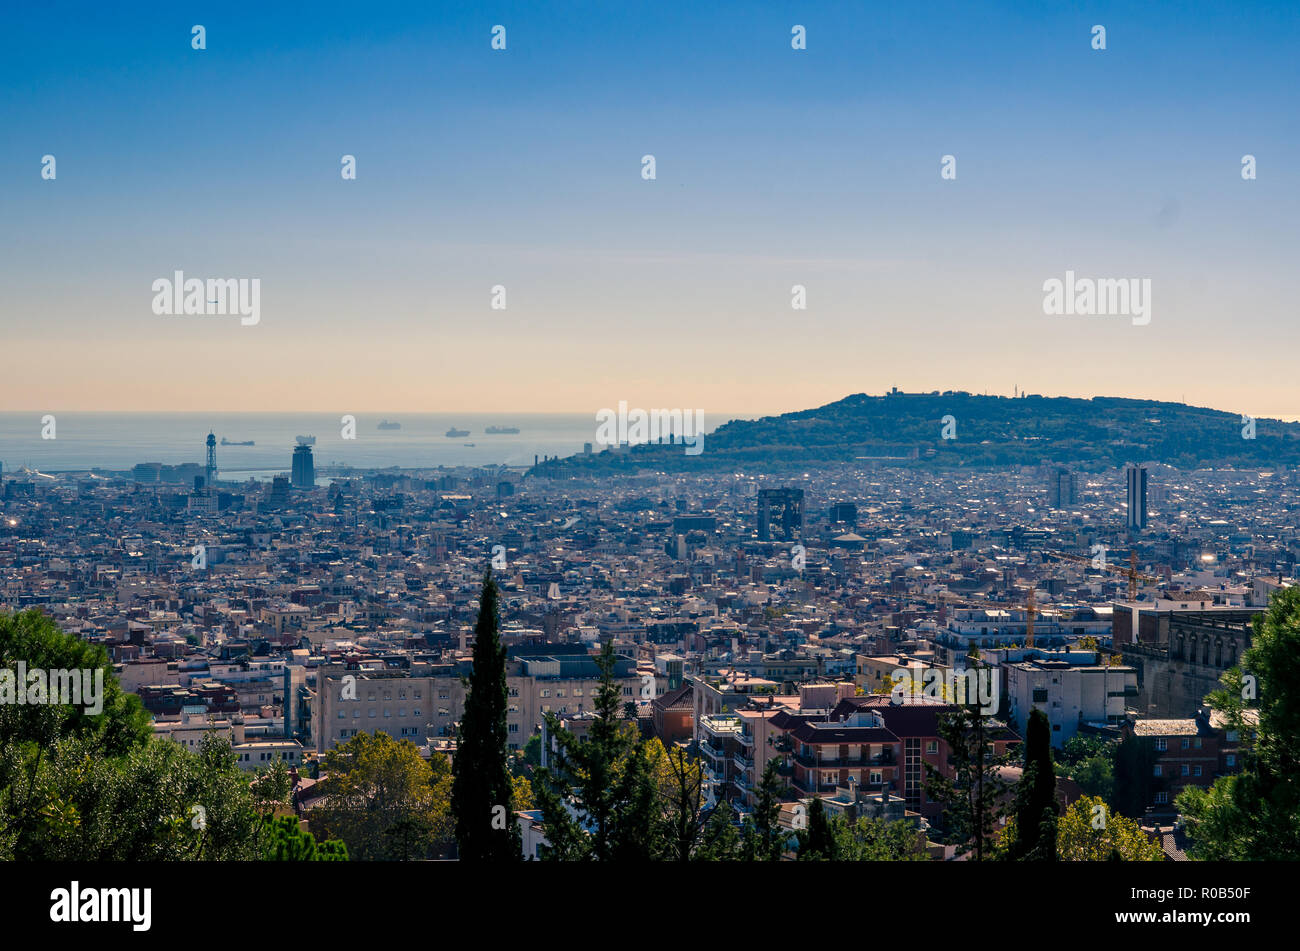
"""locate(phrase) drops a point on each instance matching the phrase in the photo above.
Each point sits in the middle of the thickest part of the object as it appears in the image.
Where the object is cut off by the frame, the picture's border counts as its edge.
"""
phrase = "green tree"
(121, 724)
(482, 793)
(1089, 832)
(768, 834)
(597, 797)
(679, 785)
(817, 843)
(377, 791)
(287, 841)
(1034, 836)
(89, 781)
(877, 840)
(720, 840)
(972, 796)
(1256, 813)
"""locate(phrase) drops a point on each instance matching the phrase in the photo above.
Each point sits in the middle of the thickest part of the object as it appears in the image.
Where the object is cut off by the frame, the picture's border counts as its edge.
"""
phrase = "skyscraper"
(1137, 498)
(303, 475)
(786, 505)
(1062, 487)
(279, 492)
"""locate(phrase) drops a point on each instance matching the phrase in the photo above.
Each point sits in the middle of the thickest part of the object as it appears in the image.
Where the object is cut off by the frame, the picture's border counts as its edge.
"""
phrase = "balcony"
(743, 763)
(711, 751)
(851, 762)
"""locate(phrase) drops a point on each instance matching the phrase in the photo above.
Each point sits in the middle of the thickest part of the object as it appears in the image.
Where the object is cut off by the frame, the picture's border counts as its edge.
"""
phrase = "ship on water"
(455, 433)
(502, 430)
(388, 424)
(231, 442)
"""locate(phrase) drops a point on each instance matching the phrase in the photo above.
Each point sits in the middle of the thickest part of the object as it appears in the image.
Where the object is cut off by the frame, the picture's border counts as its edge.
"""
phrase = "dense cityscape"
(759, 627)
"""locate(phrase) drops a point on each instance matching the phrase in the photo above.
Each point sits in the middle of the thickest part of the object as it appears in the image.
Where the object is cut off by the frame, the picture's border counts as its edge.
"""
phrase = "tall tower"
(1137, 498)
(210, 476)
(303, 473)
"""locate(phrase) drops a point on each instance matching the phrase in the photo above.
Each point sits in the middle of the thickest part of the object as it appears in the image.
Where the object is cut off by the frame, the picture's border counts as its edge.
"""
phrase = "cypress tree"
(819, 843)
(1036, 796)
(767, 810)
(481, 791)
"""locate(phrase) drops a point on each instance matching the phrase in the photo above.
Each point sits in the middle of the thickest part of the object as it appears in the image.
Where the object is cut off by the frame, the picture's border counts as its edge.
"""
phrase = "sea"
(118, 441)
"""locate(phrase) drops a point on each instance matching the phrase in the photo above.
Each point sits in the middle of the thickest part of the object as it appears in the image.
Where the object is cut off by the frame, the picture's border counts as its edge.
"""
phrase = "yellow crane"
(1133, 574)
(1030, 607)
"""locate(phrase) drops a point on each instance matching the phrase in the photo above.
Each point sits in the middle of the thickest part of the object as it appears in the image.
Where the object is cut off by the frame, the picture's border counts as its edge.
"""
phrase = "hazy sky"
(522, 168)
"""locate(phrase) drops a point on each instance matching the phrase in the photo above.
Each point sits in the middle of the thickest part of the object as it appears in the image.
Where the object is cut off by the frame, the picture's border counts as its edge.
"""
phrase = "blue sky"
(522, 168)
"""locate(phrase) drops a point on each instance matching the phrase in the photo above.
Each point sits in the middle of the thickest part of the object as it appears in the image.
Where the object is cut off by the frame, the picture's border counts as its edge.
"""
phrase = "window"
(1196, 770)
(443, 695)
(372, 713)
(342, 715)
(932, 746)
(1162, 744)
(1187, 744)
(1162, 798)
(1156, 771)
(1187, 770)
(387, 713)
(546, 691)
(514, 728)
(876, 777)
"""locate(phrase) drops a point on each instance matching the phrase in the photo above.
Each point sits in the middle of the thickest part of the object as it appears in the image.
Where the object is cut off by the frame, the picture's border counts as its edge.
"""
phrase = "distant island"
(906, 429)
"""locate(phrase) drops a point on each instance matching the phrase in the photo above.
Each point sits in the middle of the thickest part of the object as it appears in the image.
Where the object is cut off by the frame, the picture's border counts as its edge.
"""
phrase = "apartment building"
(426, 700)
(1070, 694)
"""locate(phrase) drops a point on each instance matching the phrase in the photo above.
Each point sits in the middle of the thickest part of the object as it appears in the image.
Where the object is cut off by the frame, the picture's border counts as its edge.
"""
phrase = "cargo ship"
(228, 442)
(502, 430)
(455, 433)
(386, 424)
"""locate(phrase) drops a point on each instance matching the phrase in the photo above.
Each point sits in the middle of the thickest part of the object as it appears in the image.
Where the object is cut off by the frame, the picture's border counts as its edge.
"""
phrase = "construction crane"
(1030, 607)
(1134, 576)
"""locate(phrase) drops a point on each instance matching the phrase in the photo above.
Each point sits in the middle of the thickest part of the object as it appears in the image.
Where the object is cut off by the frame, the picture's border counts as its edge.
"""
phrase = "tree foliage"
(482, 794)
(383, 800)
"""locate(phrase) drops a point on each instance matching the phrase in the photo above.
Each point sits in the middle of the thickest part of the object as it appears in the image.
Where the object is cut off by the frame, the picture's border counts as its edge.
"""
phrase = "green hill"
(989, 431)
